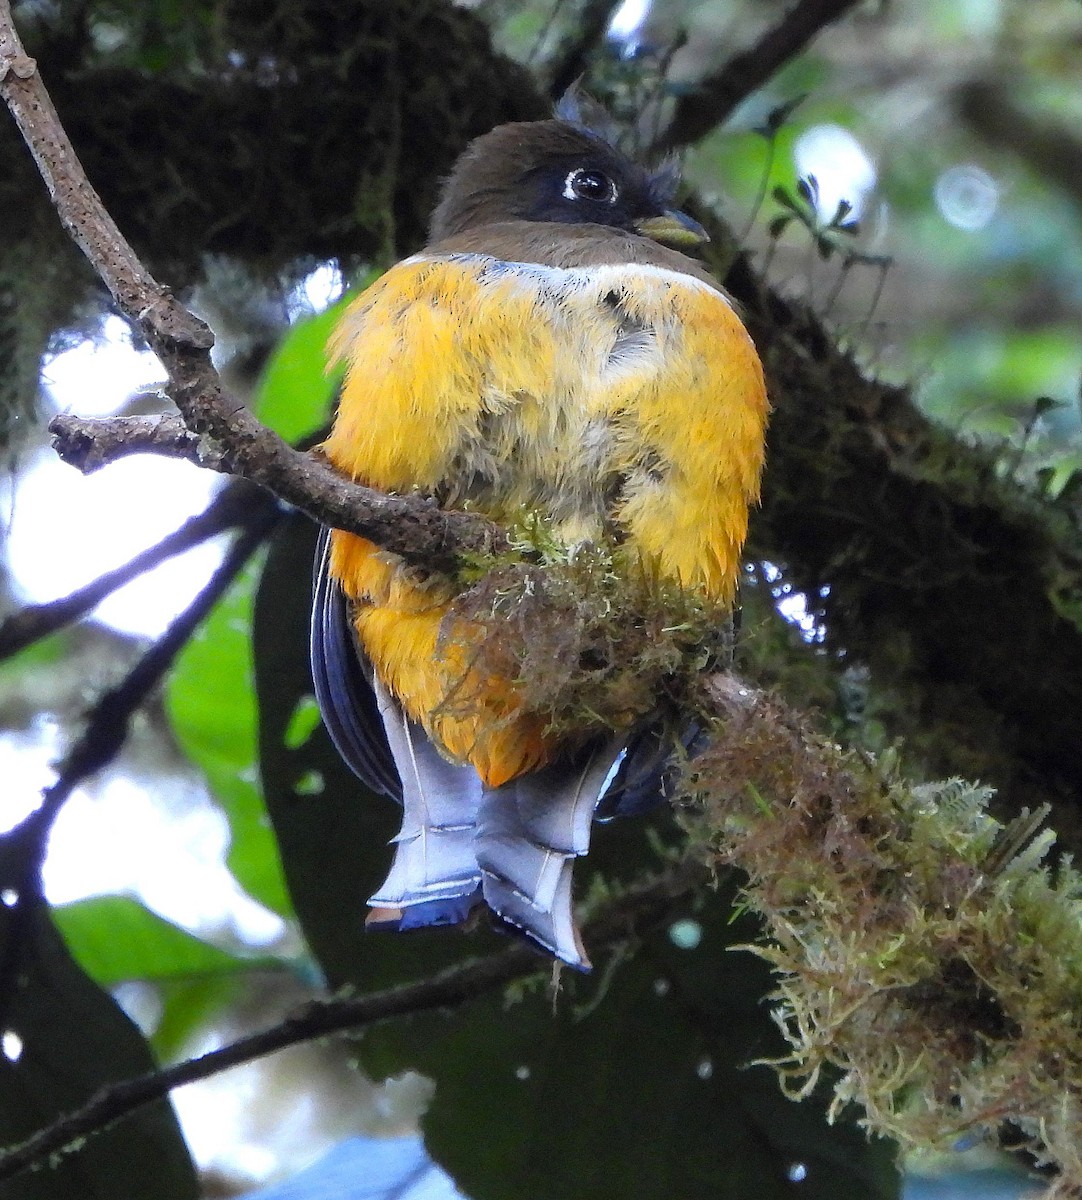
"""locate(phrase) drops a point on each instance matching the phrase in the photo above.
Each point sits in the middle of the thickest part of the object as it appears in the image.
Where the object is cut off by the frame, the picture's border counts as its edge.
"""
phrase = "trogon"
(553, 351)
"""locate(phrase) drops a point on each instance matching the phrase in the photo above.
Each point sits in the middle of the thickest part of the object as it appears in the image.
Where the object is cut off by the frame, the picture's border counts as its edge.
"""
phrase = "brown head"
(558, 171)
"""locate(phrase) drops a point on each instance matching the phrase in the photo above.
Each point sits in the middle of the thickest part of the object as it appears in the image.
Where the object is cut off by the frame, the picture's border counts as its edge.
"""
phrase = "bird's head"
(560, 171)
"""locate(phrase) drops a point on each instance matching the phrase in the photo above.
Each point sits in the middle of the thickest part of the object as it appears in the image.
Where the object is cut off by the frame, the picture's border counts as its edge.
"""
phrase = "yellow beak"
(673, 228)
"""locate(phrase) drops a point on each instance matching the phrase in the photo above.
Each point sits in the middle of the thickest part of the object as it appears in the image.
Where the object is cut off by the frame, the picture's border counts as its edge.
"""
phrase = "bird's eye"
(584, 184)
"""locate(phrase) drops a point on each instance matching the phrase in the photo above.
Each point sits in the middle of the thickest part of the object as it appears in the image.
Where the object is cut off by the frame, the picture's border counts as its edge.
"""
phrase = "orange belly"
(427, 666)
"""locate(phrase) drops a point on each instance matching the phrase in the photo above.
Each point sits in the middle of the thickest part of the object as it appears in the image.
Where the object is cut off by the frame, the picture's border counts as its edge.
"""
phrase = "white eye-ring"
(586, 183)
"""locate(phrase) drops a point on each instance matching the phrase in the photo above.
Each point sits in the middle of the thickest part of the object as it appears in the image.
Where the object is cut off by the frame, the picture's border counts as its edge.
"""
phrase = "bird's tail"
(529, 833)
(434, 878)
(513, 846)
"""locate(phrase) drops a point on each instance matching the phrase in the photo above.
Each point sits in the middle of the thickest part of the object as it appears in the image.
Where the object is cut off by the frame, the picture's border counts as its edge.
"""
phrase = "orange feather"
(622, 397)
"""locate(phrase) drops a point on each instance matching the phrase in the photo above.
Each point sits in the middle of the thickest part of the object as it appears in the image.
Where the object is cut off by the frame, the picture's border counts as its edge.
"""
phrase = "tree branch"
(1052, 152)
(411, 526)
(233, 506)
(830, 861)
(570, 59)
(90, 443)
(626, 917)
(717, 95)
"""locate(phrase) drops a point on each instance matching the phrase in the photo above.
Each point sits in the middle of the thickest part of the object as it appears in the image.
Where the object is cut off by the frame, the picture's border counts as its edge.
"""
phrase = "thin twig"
(412, 526)
(92, 443)
(626, 917)
(37, 621)
(703, 109)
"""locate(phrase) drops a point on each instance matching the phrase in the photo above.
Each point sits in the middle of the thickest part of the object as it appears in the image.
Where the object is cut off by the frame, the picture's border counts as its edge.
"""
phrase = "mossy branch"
(938, 972)
(925, 952)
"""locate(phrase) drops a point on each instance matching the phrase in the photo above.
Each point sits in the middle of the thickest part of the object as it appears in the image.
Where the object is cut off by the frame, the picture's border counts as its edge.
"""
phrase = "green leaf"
(1060, 472)
(303, 722)
(211, 704)
(782, 197)
(1046, 404)
(295, 391)
(75, 1040)
(114, 938)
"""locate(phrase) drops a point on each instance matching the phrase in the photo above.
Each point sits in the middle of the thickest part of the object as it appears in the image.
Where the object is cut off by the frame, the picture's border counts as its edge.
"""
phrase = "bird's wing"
(343, 686)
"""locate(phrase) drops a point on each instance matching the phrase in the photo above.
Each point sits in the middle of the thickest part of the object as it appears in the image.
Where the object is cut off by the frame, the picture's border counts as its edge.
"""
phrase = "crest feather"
(577, 107)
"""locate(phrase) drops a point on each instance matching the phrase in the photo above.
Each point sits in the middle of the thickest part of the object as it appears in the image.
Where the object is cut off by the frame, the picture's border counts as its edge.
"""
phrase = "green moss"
(929, 960)
(592, 636)
(925, 953)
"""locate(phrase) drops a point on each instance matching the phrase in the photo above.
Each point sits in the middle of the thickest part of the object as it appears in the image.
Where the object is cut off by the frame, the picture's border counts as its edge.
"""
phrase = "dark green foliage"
(637, 1083)
(75, 1039)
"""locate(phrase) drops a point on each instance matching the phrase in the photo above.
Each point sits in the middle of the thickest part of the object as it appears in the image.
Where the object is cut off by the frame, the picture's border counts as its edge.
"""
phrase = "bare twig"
(91, 443)
(233, 506)
(238, 443)
(717, 95)
(626, 917)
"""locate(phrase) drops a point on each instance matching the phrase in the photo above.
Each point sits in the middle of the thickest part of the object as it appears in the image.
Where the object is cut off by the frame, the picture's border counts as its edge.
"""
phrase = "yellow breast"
(623, 400)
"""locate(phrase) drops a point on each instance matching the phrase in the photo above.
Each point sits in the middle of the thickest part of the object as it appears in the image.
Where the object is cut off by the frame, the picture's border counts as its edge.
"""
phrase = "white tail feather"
(434, 848)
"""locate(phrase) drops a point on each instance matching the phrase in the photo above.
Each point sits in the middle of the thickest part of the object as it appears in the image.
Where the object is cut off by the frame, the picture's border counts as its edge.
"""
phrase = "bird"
(551, 350)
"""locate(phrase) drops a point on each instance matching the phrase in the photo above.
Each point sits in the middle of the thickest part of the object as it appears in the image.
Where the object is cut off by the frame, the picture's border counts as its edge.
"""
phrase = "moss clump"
(592, 637)
(924, 951)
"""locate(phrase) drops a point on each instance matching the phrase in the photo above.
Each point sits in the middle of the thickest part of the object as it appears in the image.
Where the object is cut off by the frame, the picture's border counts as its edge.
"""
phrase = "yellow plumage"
(620, 400)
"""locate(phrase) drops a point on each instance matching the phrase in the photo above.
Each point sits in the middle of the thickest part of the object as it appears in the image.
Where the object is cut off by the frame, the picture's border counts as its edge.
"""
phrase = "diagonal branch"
(37, 621)
(624, 918)
(717, 95)
(411, 526)
(572, 56)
